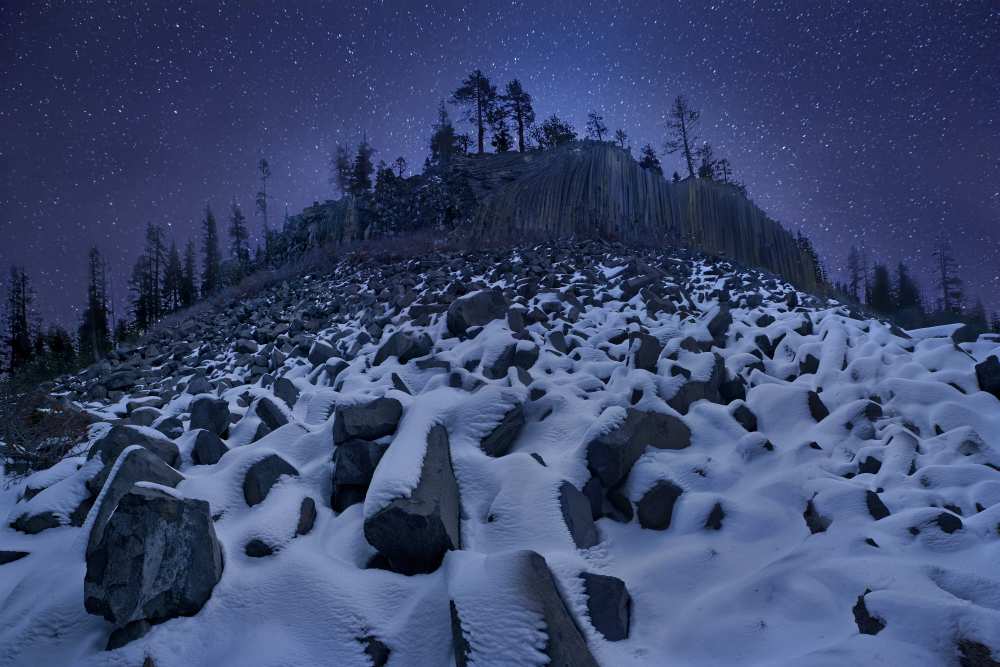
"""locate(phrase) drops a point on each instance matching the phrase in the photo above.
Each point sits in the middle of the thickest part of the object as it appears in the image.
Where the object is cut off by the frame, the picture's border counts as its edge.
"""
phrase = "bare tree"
(596, 129)
(682, 121)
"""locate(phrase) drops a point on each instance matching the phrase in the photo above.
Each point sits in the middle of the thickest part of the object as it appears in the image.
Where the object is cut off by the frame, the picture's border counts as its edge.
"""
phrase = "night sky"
(873, 123)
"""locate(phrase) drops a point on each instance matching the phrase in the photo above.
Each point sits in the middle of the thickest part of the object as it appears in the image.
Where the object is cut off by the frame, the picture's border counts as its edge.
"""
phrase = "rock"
(817, 408)
(136, 465)
(656, 507)
(975, 654)
(501, 438)
(367, 421)
(376, 651)
(144, 416)
(320, 352)
(122, 380)
(158, 558)
(745, 417)
(719, 324)
(814, 520)
(285, 390)
(611, 456)
(414, 532)
(121, 436)
(263, 475)
(257, 548)
(475, 310)
(867, 624)
(122, 636)
(170, 427)
(199, 384)
(269, 413)
(576, 512)
(354, 464)
(246, 346)
(608, 604)
(208, 448)
(715, 517)
(211, 414)
(32, 524)
(988, 375)
(876, 507)
(11, 556)
(307, 516)
(948, 522)
(647, 352)
(405, 346)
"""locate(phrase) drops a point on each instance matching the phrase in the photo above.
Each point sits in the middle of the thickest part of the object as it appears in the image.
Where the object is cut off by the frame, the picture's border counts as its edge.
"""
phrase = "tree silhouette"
(621, 138)
(682, 121)
(553, 132)
(596, 129)
(948, 282)
(479, 97)
(519, 105)
(211, 271)
(649, 160)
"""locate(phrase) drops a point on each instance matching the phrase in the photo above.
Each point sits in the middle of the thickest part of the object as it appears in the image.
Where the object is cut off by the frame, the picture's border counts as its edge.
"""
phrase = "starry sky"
(867, 123)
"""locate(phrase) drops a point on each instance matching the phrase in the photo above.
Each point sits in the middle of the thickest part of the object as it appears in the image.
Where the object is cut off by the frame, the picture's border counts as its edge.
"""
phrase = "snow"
(763, 590)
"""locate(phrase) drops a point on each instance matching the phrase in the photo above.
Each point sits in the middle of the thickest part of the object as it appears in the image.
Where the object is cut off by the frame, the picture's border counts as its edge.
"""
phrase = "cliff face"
(592, 189)
(583, 190)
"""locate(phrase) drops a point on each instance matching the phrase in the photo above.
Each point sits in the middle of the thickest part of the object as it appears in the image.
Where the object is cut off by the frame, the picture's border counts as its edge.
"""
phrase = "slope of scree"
(568, 454)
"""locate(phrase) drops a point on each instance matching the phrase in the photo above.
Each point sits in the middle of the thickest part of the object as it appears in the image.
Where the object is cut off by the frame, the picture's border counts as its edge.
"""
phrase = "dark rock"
(500, 440)
(121, 436)
(499, 367)
(988, 375)
(377, 651)
(269, 413)
(720, 323)
(211, 414)
(576, 512)
(405, 346)
(199, 384)
(608, 604)
(474, 310)
(11, 556)
(32, 524)
(307, 516)
(263, 475)
(715, 517)
(320, 352)
(354, 464)
(257, 548)
(814, 520)
(867, 624)
(286, 390)
(144, 416)
(817, 408)
(122, 636)
(656, 507)
(870, 465)
(367, 421)
(171, 427)
(746, 418)
(415, 532)
(158, 558)
(876, 507)
(647, 352)
(948, 522)
(975, 654)
(246, 346)
(611, 456)
(461, 644)
(208, 448)
(122, 380)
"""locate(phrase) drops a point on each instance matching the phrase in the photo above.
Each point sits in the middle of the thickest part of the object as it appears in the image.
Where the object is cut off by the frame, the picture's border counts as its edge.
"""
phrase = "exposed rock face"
(208, 448)
(367, 421)
(414, 533)
(158, 558)
(656, 507)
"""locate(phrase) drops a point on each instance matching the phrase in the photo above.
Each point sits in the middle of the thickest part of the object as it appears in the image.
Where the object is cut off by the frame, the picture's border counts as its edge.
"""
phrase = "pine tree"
(723, 170)
(596, 129)
(707, 162)
(649, 160)
(141, 287)
(156, 252)
(362, 170)
(211, 272)
(239, 237)
(854, 277)
(682, 122)
(173, 277)
(189, 289)
(807, 248)
(621, 138)
(977, 314)
(479, 97)
(444, 143)
(502, 141)
(519, 105)
(907, 290)
(553, 132)
(94, 334)
(264, 171)
(400, 165)
(881, 297)
(341, 170)
(952, 295)
(18, 323)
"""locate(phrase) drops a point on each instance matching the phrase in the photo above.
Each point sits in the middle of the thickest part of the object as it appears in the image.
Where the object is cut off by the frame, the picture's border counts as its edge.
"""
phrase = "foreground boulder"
(524, 581)
(367, 421)
(208, 448)
(405, 346)
(413, 533)
(988, 375)
(610, 456)
(608, 604)
(499, 441)
(475, 310)
(158, 558)
(121, 436)
(576, 513)
(263, 475)
(354, 464)
(211, 414)
(656, 507)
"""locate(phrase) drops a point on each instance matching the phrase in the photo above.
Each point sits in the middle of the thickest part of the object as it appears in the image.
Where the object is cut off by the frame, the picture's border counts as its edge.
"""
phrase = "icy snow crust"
(761, 590)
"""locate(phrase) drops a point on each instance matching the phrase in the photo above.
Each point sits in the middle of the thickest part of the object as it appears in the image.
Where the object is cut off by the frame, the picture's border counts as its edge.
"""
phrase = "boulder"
(208, 448)
(576, 512)
(475, 310)
(257, 548)
(320, 352)
(499, 441)
(32, 524)
(988, 375)
(121, 436)
(367, 421)
(656, 507)
(263, 475)
(144, 416)
(354, 464)
(158, 558)
(286, 390)
(405, 346)
(817, 408)
(269, 413)
(876, 507)
(11, 556)
(199, 384)
(170, 427)
(413, 533)
(610, 456)
(608, 604)
(211, 414)
(307, 516)
(647, 352)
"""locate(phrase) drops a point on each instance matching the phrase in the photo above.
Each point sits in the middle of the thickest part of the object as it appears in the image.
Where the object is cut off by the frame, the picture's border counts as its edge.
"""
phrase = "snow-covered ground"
(841, 475)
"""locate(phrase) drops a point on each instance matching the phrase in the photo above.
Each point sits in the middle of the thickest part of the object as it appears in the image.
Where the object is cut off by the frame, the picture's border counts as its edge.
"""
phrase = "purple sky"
(871, 123)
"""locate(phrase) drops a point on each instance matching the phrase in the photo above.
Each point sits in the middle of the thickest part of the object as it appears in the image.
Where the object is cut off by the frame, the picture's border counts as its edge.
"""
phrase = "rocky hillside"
(569, 454)
(581, 190)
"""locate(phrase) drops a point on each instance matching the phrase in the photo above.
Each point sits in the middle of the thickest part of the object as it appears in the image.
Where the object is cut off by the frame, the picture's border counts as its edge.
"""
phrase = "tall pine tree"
(94, 334)
(189, 281)
(682, 121)
(211, 271)
(479, 97)
(239, 246)
(519, 105)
